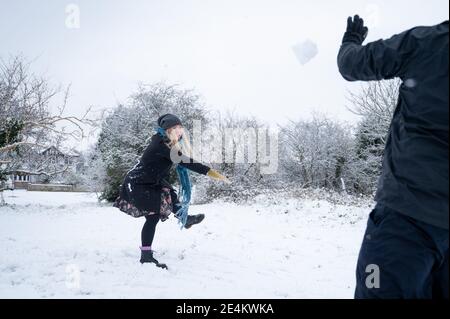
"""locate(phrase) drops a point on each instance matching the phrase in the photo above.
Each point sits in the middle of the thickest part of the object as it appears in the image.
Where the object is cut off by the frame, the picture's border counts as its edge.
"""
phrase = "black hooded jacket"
(414, 179)
(142, 184)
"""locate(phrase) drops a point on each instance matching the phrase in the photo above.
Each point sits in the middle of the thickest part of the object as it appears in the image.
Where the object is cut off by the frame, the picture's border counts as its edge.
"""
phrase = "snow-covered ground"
(67, 245)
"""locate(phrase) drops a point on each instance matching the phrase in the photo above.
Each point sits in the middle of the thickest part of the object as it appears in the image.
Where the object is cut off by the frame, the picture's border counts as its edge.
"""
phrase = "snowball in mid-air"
(305, 51)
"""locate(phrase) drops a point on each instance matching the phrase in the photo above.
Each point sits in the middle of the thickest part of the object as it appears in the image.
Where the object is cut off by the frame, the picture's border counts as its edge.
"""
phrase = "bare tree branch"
(15, 145)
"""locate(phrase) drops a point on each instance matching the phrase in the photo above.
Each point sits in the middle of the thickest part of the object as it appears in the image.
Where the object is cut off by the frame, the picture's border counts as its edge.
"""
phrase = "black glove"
(356, 31)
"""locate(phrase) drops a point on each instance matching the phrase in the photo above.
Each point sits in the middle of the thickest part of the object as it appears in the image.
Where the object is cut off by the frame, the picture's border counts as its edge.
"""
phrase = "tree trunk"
(2, 199)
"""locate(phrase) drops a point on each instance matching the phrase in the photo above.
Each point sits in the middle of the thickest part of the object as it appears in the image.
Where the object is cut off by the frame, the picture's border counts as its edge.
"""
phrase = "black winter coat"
(414, 179)
(143, 184)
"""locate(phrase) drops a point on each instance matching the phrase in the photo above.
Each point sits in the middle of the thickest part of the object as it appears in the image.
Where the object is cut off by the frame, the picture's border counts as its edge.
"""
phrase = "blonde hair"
(185, 146)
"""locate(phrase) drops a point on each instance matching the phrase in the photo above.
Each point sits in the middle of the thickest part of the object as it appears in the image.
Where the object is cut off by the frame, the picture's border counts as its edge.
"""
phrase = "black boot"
(194, 219)
(147, 257)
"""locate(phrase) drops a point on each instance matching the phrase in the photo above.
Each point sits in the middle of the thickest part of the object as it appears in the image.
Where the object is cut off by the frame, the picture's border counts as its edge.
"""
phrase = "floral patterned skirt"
(129, 209)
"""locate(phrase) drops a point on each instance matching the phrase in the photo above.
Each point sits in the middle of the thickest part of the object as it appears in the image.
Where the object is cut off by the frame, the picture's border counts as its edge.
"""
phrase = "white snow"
(67, 245)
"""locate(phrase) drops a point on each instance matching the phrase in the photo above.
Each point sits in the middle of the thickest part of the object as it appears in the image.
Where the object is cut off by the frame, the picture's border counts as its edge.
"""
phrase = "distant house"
(20, 179)
(61, 158)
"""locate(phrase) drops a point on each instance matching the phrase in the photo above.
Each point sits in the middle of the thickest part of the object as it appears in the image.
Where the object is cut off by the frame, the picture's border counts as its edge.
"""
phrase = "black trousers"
(148, 231)
(402, 258)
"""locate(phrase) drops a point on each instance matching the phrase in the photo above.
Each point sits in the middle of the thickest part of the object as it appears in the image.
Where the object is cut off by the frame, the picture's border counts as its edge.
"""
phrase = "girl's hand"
(215, 174)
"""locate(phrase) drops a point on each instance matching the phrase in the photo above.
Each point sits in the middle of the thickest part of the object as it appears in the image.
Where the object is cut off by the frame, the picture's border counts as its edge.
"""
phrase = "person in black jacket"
(404, 253)
(145, 190)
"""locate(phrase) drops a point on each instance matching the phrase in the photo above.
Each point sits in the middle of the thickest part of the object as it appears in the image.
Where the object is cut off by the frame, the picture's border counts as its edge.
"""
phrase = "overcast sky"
(236, 54)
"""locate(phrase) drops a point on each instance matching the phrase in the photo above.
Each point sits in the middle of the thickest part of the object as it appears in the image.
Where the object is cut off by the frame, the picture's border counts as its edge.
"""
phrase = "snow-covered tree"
(315, 153)
(375, 103)
(27, 124)
(92, 176)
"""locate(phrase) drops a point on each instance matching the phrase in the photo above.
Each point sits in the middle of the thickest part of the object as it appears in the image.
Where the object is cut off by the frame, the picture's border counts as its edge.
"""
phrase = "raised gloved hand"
(356, 31)
(215, 174)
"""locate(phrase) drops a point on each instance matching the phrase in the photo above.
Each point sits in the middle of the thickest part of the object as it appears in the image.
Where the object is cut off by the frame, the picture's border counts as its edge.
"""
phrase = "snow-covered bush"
(315, 153)
(238, 137)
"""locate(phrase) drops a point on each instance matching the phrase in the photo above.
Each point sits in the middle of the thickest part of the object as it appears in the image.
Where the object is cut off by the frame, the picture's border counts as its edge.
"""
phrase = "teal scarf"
(185, 188)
